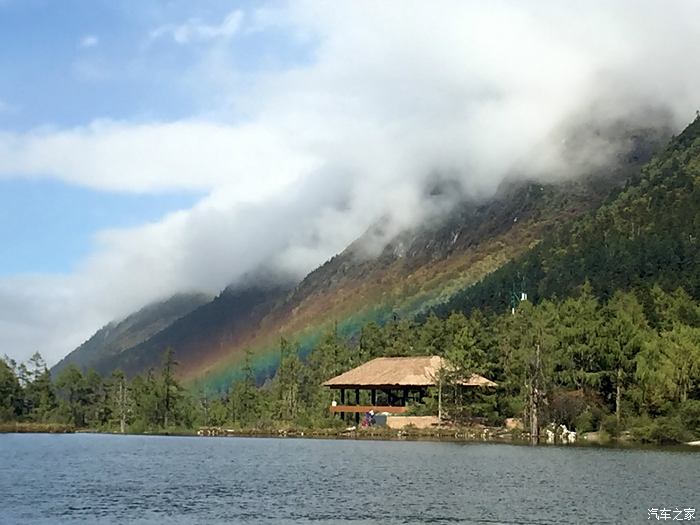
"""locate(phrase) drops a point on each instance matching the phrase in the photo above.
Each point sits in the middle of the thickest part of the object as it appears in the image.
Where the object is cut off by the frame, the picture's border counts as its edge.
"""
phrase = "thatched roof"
(399, 371)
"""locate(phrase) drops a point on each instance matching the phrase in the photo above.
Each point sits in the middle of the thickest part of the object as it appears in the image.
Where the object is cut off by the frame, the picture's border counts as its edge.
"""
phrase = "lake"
(92, 478)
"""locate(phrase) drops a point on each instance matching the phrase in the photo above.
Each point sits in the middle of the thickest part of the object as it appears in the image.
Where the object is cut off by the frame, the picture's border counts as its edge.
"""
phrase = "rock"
(514, 423)
(593, 437)
(549, 435)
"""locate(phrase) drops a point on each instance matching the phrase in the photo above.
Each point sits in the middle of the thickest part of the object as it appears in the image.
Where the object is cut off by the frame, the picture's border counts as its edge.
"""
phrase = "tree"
(10, 391)
(330, 357)
(146, 397)
(372, 342)
(580, 360)
(528, 344)
(243, 396)
(97, 406)
(119, 399)
(463, 346)
(400, 338)
(169, 387)
(432, 336)
(72, 389)
(288, 381)
(681, 347)
(623, 333)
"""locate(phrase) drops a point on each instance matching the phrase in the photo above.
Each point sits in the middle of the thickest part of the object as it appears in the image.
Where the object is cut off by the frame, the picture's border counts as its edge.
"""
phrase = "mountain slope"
(416, 270)
(649, 234)
(116, 337)
(217, 324)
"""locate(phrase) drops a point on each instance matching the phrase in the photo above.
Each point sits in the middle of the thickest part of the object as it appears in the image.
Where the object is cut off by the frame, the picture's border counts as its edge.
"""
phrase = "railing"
(366, 408)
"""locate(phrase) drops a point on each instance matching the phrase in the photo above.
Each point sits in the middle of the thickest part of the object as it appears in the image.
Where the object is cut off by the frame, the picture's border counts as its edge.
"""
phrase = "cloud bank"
(300, 160)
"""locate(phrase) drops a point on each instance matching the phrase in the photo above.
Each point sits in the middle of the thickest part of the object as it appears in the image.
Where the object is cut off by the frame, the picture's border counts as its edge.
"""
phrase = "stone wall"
(417, 421)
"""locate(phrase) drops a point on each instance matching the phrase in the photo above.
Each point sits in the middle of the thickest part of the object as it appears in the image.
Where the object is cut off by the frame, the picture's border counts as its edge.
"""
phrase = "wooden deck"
(339, 409)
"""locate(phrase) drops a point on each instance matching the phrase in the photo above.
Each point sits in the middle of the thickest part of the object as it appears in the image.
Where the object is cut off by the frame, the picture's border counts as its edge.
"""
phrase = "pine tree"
(623, 333)
(10, 391)
(170, 389)
(288, 381)
(73, 392)
(39, 396)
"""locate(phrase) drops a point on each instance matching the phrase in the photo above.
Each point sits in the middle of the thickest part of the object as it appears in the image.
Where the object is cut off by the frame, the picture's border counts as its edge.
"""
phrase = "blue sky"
(98, 60)
(48, 226)
(68, 63)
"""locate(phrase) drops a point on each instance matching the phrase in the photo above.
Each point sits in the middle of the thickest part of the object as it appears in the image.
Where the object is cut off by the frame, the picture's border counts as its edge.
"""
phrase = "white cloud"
(195, 29)
(396, 93)
(89, 41)
(190, 154)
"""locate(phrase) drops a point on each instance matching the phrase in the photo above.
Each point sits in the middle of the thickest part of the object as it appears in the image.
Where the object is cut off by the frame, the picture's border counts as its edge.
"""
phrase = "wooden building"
(393, 383)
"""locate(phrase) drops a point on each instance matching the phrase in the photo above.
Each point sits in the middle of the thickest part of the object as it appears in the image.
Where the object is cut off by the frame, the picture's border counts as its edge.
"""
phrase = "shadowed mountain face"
(215, 326)
(373, 279)
(116, 337)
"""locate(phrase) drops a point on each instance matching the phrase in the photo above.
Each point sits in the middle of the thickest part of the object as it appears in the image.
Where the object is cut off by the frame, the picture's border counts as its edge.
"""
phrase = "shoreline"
(36, 428)
(434, 435)
(449, 437)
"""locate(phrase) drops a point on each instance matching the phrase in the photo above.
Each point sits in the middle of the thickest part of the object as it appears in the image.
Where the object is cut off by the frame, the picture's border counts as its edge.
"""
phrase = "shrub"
(662, 430)
(584, 422)
(669, 430)
(690, 416)
(610, 425)
(566, 407)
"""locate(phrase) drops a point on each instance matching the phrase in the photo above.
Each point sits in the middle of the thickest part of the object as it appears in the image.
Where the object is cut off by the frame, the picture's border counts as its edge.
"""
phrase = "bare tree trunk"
(167, 407)
(618, 395)
(535, 401)
(534, 416)
(440, 401)
(122, 407)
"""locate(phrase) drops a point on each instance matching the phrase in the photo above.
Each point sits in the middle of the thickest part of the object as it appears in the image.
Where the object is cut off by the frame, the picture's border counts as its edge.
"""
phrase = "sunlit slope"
(416, 270)
(649, 234)
(412, 272)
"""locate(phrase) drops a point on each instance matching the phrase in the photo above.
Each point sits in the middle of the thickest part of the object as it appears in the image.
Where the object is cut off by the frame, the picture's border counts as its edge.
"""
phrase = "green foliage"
(690, 416)
(646, 236)
(662, 430)
(73, 396)
(610, 425)
(10, 391)
(626, 363)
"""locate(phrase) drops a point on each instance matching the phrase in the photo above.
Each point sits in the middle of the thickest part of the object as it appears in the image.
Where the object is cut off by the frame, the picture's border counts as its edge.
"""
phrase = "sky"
(149, 148)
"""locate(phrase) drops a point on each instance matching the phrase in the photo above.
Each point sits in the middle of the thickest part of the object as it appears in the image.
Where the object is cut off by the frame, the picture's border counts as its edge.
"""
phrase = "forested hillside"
(588, 364)
(646, 235)
(379, 277)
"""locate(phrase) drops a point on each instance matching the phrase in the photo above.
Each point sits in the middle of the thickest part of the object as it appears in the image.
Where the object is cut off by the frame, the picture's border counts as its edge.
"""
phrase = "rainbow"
(384, 293)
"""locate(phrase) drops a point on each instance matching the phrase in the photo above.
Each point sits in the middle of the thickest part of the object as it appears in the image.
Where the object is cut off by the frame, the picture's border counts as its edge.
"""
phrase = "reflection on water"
(85, 478)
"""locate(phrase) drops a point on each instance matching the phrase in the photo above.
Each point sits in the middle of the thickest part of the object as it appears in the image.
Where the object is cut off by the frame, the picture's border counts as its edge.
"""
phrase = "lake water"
(86, 478)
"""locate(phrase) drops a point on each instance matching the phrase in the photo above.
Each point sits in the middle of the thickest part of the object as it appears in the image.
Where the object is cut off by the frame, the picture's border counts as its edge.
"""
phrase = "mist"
(297, 162)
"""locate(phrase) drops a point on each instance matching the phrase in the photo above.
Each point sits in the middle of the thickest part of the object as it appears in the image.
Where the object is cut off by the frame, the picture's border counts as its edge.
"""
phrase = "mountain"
(375, 280)
(206, 331)
(649, 234)
(116, 337)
